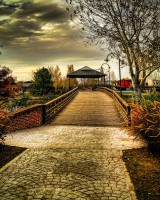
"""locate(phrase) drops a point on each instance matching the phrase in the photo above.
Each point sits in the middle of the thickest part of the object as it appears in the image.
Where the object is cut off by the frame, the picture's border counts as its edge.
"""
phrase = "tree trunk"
(137, 92)
(134, 75)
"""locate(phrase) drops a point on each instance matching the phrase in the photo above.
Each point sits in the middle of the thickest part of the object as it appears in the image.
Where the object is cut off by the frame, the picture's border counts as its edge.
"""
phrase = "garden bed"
(7, 153)
(144, 170)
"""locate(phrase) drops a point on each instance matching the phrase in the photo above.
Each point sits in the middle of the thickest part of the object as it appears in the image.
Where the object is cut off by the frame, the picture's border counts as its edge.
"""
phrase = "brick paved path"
(90, 108)
(68, 163)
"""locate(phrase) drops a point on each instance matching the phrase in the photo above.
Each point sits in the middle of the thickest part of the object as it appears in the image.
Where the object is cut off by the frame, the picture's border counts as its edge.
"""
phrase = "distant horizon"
(22, 76)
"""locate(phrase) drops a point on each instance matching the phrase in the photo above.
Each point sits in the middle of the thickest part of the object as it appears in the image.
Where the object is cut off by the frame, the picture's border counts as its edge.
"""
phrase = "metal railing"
(122, 106)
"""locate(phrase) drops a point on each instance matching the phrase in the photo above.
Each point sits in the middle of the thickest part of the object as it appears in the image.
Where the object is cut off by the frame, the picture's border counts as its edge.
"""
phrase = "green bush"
(153, 96)
(42, 83)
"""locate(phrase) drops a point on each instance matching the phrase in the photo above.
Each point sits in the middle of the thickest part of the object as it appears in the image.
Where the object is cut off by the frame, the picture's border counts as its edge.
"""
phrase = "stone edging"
(13, 160)
(129, 182)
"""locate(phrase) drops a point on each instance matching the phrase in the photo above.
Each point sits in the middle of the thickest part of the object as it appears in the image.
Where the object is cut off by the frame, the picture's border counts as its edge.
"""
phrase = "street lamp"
(120, 83)
(119, 62)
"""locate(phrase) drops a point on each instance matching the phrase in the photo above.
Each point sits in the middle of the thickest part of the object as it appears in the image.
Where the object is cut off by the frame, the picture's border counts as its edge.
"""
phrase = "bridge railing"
(38, 114)
(123, 107)
(55, 105)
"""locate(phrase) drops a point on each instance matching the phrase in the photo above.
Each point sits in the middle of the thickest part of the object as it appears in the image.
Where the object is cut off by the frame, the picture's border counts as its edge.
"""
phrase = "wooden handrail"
(123, 107)
(55, 105)
(50, 107)
(61, 97)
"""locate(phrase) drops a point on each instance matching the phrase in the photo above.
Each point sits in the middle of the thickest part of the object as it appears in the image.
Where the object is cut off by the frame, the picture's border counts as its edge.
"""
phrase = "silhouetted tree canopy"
(42, 82)
(6, 80)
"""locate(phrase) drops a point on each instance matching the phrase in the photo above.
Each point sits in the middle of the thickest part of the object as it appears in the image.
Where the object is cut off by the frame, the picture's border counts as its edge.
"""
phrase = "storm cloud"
(38, 32)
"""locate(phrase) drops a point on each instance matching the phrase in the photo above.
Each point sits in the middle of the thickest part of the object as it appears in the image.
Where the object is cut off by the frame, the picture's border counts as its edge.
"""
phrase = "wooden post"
(43, 114)
(129, 115)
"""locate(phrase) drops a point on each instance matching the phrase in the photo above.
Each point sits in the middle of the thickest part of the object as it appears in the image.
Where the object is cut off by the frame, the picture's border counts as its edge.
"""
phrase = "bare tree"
(113, 76)
(155, 75)
(129, 27)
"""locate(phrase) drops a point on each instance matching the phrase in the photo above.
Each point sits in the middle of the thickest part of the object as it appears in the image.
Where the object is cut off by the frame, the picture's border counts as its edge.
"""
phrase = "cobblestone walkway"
(68, 163)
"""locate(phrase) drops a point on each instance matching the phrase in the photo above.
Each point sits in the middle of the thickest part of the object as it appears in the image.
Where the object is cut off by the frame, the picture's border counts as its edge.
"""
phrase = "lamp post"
(119, 62)
(120, 82)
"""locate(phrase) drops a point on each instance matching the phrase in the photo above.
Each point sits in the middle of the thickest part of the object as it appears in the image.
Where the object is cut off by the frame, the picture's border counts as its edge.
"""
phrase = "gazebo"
(86, 72)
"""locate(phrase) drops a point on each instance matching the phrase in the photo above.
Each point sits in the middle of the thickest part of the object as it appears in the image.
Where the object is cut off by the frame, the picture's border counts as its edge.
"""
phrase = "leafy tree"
(56, 77)
(129, 28)
(6, 81)
(42, 82)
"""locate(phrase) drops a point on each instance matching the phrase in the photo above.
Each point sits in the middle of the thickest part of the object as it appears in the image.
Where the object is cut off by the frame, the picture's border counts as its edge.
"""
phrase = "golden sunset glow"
(37, 33)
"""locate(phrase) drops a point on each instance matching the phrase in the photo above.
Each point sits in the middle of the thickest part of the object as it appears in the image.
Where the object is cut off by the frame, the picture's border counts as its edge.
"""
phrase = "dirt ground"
(144, 170)
(7, 153)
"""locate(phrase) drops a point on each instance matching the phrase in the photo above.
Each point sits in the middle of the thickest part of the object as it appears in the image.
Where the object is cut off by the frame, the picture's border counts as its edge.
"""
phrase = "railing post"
(129, 115)
(43, 114)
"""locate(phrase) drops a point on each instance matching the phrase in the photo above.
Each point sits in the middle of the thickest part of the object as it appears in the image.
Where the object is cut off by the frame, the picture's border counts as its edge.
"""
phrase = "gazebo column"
(104, 81)
(98, 81)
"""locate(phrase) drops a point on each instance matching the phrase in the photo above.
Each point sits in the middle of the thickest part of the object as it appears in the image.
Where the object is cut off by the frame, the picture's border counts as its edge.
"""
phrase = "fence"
(122, 105)
(38, 114)
(54, 106)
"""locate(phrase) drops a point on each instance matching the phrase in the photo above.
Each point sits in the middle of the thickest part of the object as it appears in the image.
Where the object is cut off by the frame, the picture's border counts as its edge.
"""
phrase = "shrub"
(146, 121)
(153, 96)
(4, 121)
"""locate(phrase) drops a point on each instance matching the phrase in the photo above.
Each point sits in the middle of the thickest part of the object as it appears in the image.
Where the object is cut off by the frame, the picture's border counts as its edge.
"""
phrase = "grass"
(144, 170)
(7, 153)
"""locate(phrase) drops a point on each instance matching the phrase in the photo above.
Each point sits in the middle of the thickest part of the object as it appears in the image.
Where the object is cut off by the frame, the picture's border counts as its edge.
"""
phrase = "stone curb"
(13, 160)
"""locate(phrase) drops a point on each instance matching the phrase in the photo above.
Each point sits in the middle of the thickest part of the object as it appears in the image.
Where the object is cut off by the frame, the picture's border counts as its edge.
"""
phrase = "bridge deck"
(90, 108)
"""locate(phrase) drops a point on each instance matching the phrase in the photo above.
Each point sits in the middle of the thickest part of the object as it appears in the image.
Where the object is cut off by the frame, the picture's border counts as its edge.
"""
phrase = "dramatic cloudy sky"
(36, 33)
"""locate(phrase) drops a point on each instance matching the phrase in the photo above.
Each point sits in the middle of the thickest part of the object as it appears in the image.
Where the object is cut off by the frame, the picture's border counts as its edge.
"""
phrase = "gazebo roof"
(86, 72)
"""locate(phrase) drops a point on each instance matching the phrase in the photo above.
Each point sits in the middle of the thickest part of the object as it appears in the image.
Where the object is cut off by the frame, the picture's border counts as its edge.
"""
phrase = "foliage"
(128, 28)
(6, 82)
(152, 96)
(56, 77)
(127, 97)
(42, 83)
(42, 100)
(19, 102)
(146, 120)
(4, 120)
